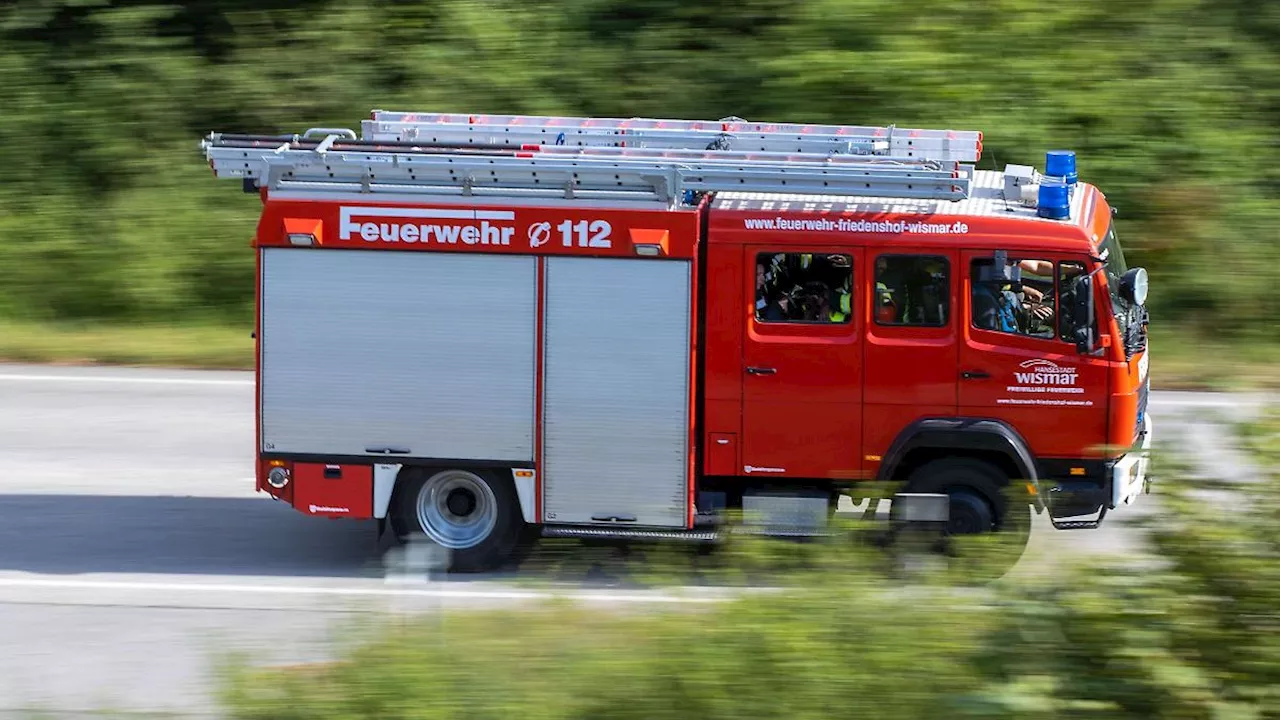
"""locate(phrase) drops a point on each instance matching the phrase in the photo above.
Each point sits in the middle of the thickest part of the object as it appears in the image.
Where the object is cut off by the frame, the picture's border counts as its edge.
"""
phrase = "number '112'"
(594, 233)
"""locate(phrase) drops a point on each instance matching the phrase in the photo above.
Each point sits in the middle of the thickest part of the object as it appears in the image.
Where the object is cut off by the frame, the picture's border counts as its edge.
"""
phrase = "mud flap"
(918, 521)
(385, 538)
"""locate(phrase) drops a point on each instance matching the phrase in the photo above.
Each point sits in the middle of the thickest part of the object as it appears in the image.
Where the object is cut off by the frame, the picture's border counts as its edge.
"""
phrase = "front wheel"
(988, 520)
(474, 517)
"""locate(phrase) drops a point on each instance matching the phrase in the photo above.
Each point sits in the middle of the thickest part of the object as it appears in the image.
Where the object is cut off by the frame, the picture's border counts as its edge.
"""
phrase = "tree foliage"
(107, 211)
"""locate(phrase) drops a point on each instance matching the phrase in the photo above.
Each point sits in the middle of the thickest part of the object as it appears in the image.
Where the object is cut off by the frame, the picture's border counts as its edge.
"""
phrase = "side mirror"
(1133, 286)
(1082, 315)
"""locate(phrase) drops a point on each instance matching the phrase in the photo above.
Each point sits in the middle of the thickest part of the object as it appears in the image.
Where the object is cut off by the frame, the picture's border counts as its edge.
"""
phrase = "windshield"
(1127, 315)
(1115, 268)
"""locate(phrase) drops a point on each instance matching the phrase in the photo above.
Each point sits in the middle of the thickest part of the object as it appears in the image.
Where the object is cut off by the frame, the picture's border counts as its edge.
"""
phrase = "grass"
(1182, 360)
(204, 347)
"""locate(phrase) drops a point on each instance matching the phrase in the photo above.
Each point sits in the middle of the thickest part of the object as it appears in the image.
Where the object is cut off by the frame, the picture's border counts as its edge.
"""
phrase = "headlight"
(1133, 286)
(278, 477)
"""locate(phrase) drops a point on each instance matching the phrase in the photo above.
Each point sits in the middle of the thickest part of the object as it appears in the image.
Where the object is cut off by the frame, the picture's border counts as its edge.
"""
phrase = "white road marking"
(599, 596)
(122, 379)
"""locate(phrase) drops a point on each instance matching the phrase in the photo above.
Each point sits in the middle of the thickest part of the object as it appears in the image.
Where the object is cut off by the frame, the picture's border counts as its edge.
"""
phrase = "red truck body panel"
(843, 393)
(782, 401)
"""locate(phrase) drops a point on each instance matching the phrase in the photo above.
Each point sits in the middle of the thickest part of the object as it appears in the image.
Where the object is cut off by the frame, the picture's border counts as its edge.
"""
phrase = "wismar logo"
(1045, 372)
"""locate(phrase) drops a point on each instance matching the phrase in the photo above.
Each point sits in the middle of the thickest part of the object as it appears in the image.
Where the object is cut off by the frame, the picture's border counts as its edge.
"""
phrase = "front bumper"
(1112, 484)
(1129, 476)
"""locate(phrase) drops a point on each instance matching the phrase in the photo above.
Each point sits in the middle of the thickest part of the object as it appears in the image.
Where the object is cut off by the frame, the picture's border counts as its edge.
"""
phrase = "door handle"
(762, 370)
(974, 374)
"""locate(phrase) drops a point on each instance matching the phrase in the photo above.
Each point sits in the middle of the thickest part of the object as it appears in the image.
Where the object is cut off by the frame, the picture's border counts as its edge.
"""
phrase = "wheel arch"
(390, 479)
(484, 543)
(930, 439)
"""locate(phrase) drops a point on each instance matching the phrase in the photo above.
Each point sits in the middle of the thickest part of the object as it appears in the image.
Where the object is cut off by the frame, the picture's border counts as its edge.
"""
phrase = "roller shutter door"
(616, 390)
(426, 352)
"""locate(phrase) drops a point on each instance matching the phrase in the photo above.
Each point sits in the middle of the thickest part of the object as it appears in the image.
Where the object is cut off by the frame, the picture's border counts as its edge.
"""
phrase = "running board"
(629, 534)
(788, 515)
(1076, 524)
(1093, 524)
(696, 536)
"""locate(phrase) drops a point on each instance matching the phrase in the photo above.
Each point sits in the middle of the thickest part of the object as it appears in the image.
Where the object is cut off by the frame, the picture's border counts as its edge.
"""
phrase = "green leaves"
(1190, 633)
(1171, 105)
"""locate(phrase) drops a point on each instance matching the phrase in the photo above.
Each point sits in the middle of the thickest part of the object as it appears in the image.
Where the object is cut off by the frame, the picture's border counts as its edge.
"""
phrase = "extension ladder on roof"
(335, 160)
(728, 133)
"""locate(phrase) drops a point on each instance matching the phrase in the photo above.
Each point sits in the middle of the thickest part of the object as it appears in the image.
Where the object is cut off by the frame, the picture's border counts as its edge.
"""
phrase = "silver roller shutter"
(616, 390)
(429, 352)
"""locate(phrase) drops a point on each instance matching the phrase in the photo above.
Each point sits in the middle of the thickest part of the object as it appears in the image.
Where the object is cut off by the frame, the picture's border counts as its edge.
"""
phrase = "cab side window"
(1019, 298)
(912, 290)
(804, 288)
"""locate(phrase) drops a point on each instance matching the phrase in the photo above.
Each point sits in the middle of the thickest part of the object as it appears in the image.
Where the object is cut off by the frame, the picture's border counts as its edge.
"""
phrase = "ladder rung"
(722, 156)
(963, 146)
(262, 143)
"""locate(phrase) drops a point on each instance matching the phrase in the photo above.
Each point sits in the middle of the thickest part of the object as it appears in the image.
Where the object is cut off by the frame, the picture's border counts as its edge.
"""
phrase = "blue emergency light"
(1054, 201)
(1061, 164)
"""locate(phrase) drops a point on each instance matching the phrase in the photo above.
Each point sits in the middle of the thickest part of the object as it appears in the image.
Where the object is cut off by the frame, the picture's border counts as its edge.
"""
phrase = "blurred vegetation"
(1187, 629)
(109, 215)
(169, 345)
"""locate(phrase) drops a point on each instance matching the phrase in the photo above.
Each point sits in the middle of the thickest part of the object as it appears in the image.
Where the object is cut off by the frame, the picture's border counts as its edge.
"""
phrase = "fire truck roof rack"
(727, 133)
(325, 159)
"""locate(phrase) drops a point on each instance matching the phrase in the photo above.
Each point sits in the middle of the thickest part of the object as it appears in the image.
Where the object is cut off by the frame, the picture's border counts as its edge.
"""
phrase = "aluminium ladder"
(729, 133)
(335, 160)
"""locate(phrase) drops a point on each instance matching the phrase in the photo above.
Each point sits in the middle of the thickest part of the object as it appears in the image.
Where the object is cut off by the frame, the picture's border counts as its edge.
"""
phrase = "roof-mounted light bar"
(1050, 193)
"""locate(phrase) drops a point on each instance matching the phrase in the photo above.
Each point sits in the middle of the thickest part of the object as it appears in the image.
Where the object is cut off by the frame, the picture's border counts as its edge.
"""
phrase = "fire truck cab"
(471, 327)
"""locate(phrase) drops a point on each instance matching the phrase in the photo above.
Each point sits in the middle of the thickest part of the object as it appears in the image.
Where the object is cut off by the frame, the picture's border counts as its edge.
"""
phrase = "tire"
(969, 513)
(474, 516)
(978, 491)
(989, 525)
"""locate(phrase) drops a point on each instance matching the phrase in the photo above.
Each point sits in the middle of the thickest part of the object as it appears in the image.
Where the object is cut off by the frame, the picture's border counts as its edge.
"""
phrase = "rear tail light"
(278, 477)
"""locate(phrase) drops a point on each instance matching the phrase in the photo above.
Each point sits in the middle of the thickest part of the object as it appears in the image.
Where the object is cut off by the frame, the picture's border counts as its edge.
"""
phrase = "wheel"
(969, 514)
(473, 516)
(978, 491)
(982, 507)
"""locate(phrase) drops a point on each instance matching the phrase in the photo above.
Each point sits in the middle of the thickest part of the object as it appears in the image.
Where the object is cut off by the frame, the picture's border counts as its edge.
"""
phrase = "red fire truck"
(472, 327)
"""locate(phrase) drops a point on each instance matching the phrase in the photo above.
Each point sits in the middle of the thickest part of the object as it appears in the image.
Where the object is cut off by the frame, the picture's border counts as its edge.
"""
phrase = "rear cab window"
(912, 290)
(804, 288)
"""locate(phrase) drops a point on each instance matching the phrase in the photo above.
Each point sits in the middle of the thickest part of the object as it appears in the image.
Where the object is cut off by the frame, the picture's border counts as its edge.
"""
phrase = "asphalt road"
(134, 550)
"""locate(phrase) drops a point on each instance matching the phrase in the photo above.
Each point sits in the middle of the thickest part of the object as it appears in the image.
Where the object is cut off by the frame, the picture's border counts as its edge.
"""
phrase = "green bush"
(1189, 632)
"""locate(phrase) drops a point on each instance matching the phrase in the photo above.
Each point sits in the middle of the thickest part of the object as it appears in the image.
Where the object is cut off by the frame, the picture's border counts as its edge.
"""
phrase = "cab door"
(801, 363)
(1023, 367)
(912, 341)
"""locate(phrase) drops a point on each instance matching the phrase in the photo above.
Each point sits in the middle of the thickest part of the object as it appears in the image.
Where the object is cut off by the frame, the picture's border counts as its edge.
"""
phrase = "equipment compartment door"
(429, 354)
(802, 363)
(616, 385)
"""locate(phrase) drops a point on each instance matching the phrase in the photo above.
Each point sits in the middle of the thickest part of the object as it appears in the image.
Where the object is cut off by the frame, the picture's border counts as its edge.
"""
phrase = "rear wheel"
(474, 517)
